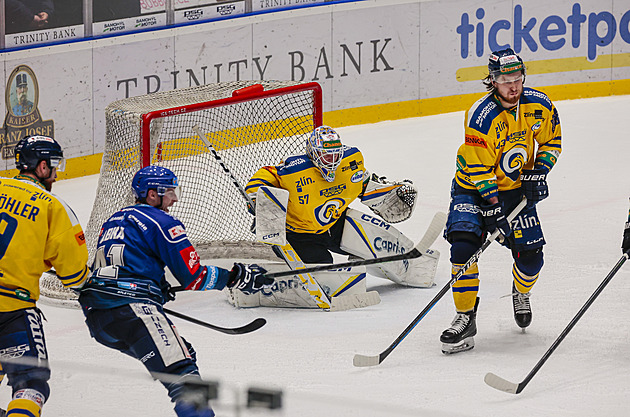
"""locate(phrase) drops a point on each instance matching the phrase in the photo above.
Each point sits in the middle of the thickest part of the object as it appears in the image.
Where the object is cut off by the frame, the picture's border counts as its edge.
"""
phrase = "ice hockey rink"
(308, 353)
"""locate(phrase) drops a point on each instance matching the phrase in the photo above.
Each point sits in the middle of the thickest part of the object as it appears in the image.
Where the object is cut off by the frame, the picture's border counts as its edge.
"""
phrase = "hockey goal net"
(249, 123)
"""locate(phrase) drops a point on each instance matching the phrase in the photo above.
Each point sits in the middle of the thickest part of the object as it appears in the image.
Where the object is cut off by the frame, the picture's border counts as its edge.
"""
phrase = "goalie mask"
(325, 150)
(154, 178)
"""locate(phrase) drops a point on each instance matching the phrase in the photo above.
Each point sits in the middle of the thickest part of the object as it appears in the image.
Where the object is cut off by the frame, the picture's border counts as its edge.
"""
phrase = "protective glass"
(508, 79)
(164, 190)
(59, 163)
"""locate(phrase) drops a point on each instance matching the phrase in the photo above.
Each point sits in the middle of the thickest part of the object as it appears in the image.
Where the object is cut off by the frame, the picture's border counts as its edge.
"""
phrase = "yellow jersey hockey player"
(321, 184)
(37, 231)
(512, 141)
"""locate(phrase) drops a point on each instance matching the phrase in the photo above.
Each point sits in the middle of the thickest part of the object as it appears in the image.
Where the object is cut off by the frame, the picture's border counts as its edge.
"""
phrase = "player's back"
(35, 231)
(134, 246)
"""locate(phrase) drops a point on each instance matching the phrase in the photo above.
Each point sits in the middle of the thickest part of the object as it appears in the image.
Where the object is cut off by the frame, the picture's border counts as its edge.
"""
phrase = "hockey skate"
(522, 308)
(459, 337)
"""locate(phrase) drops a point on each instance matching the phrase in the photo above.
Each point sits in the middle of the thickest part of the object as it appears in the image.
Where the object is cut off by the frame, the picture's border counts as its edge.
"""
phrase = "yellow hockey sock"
(522, 282)
(26, 403)
(466, 288)
(23, 408)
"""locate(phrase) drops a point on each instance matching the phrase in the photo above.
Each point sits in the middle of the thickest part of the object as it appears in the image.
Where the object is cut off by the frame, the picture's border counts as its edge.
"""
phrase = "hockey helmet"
(325, 150)
(30, 150)
(504, 62)
(154, 178)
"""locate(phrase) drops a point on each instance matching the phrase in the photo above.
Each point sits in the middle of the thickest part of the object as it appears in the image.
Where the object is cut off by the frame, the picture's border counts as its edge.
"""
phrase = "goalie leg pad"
(419, 272)
(289, 291)
(368, 237)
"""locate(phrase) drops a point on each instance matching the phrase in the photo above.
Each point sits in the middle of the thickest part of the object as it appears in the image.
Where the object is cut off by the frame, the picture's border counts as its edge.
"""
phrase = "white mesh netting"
(247, 131)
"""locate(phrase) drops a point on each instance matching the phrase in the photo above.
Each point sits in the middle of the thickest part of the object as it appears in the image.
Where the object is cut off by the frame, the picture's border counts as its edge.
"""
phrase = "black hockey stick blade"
(433, 231)
(501, 384)
(248, 328)
(364, 360)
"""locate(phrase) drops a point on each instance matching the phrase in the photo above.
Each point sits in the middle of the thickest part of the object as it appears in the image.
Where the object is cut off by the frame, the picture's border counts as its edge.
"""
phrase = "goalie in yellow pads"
(321, 184)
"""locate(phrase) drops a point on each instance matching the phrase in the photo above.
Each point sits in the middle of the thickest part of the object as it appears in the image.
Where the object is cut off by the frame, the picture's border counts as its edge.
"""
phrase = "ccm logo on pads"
(176, 231)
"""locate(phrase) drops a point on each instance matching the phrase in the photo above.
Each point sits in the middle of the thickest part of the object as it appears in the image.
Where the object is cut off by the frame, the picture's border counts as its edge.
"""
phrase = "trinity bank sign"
(356, 60)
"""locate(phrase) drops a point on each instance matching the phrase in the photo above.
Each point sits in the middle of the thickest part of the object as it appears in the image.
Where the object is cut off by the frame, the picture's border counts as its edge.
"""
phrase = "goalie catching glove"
(393, 201)
(248, 278)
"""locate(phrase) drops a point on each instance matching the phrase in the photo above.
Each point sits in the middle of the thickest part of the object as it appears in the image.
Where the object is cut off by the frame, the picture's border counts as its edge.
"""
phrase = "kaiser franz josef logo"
(23, 118)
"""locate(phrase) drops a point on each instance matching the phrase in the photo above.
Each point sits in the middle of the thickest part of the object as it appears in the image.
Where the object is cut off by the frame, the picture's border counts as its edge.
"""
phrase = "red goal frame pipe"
(241, 95)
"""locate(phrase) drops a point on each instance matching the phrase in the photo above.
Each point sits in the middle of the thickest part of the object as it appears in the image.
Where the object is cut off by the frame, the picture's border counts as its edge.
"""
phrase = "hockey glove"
(495, 219)
(248, 278)
(625, 245)
(534, 185)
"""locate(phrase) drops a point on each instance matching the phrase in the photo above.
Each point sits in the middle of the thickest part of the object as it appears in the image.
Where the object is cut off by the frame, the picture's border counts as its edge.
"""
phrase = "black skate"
(459, 337)
(522, 308)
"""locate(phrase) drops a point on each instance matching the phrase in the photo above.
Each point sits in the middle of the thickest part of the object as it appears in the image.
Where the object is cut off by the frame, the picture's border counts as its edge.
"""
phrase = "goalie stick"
(366, 360)
(501, 384)
(315, 291)
(204, 139)
(248, 328)
(433, 231)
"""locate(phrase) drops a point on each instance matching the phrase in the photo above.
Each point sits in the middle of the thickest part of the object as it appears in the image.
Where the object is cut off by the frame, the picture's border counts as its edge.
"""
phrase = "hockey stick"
(365, 360)
(74, 304)
(501, 384)
(248, 328)
(204, 139)
(433, 231)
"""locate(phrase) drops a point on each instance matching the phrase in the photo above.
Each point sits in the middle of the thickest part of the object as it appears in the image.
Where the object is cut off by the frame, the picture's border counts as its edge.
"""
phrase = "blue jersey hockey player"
(123, 300)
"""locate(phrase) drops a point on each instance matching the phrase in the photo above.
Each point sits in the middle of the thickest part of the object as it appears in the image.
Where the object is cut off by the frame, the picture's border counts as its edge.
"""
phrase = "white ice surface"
(308, 354)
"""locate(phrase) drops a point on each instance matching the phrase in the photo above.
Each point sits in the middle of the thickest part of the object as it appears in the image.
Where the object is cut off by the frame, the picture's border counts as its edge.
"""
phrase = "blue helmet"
(325, 150)
(153, 178)
(30, 150)
(504, 62)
